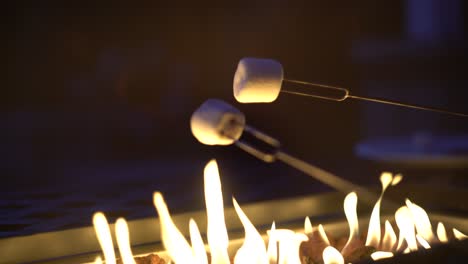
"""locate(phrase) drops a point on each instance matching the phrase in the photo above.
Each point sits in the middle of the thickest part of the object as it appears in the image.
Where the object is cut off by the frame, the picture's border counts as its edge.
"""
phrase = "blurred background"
(97, 101)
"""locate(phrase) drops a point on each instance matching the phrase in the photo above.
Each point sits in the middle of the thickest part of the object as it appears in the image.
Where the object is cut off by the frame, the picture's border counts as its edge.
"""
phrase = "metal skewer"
(273, 152)
(339, 94)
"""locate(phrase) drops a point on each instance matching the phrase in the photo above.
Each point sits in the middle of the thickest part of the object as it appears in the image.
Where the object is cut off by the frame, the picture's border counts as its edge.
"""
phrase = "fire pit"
(80, 245)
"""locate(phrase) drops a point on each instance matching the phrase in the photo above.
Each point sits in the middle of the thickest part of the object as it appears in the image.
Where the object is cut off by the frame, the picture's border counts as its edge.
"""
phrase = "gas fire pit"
(80, 245)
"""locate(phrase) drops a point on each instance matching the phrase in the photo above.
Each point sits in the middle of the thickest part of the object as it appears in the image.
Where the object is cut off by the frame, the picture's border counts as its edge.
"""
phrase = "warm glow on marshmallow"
(217, 123)
(257, 80)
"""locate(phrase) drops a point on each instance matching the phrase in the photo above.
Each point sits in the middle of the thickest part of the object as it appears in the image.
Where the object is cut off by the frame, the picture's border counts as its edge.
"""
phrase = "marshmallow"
(217, 123)
(257, 80)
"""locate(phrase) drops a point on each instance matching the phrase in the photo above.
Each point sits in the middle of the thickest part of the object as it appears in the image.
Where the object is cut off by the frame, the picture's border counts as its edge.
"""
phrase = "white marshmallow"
(217, 123)
(257, 80)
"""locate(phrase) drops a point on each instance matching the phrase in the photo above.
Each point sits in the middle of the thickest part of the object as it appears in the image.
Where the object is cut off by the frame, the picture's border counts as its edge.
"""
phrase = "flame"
(198, 246)
(459, 235)
(253, 250)
(405, 223)
(381, 255)
(421, 221)
(423, 242)
(288, 243)
(216, 228)
(322, 234)
(175, 243)
(283, 245)
(350, 207)
(373, 233)
(97, 260)
(397, 179)
(441, 233)
(123, 241)
(389, 239)
(282, 239)
(272, 250)
(332, 256)
(308, 229)
(101, 226)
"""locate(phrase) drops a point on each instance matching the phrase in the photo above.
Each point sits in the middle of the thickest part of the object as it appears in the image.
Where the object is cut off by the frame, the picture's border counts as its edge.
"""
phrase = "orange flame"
(421, 221)
(253, 250)
(101, 226)
(197, 243)
(216, 231)
(459, 235)
(381, 255)
(441, 233)
(332, 256)
(350, 208)
(308, 229)
(175, 243)
(389, 239)
(322, 234)
(404, 222)
(123, 241)
(373, 233)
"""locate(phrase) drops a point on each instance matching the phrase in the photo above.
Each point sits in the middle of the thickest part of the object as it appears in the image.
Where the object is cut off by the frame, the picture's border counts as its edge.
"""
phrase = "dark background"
(98, 97)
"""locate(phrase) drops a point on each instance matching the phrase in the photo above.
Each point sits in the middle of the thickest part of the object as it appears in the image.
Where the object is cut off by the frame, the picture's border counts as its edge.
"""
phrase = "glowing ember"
(284, 245)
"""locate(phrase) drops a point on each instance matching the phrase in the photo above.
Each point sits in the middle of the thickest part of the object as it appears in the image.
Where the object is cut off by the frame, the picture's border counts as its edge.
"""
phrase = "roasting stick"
(218, 123)
(346, 95)
(260, 81)
(313, 171)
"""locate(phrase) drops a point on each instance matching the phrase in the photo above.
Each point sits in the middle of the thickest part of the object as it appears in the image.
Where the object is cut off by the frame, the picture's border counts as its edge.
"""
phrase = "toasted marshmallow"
(217, 123)
(257, 80)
